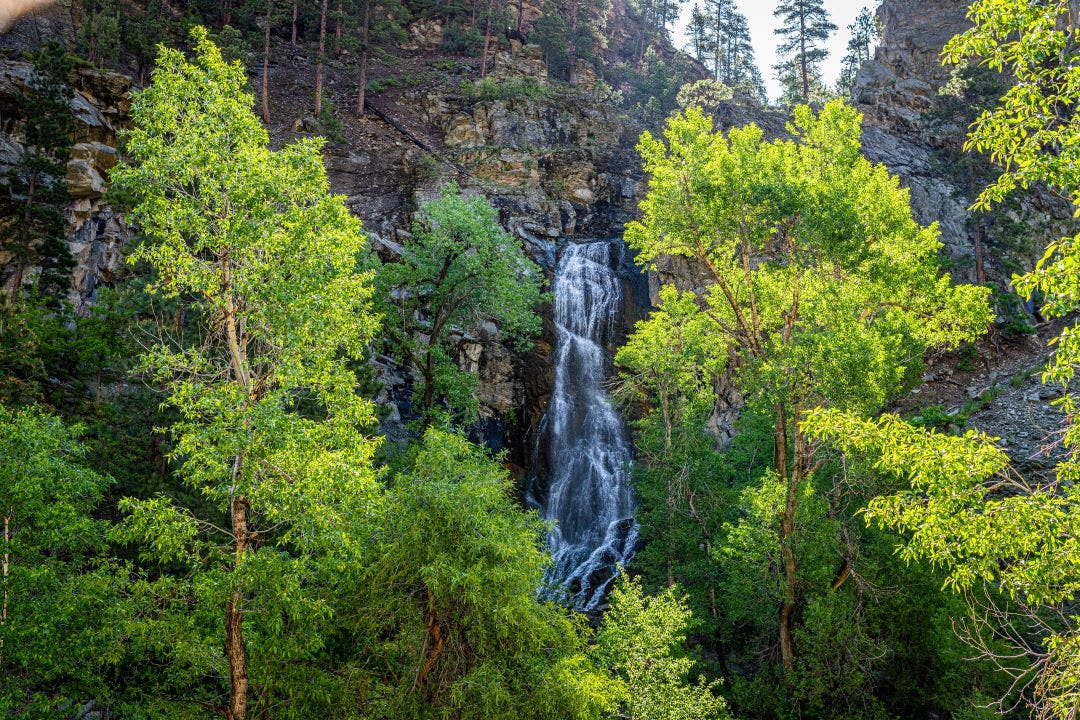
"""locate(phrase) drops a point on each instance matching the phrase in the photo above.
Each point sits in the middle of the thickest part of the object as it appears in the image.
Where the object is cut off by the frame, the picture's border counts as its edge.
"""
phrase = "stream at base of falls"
(588, 494)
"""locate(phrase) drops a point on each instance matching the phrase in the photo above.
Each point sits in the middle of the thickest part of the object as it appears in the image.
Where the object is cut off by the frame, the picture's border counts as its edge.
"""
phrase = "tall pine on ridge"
(805, 28)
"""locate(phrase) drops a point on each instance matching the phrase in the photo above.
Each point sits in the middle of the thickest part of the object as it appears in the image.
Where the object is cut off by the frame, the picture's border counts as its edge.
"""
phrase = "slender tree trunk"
(571, 45)
(980, 257)
(787, 529)
(487, 39)
(641, 39)
(802, 59)
(361, 90)
(321, 59)
(266, 64)
(716, 49)
(295, 13)
(672, 488)
(520, 14)
(6, 568)
(338, 12)
(235, 651)
(234, 614)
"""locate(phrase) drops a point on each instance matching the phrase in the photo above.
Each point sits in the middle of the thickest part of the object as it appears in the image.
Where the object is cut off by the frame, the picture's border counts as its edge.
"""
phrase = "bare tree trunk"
(234, 615)
(487, 39)
(337, 27)
(266, 65)
(362, 89)
(571, 45)
(980, 256)
(6, 568)
(520, 14)
(802, 59)
(226, 13)
(321, 59)
(787, 528)
(295, 12)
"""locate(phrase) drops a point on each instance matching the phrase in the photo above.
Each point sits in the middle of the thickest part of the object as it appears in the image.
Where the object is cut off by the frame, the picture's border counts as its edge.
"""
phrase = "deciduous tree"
(270, 430)
(822, 287)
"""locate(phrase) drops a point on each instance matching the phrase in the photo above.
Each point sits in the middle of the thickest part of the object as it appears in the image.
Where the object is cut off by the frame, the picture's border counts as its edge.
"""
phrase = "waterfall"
(589, 496)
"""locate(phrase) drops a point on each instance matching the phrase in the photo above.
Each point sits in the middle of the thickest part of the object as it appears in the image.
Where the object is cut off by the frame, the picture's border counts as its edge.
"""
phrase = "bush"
(706, 94)
(489, 89)
(329, 122)
(458, 39)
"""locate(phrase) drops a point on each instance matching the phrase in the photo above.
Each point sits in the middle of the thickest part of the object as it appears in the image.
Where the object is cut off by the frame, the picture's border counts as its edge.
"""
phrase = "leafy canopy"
(459, 270)
(820, 281)
(270, 430)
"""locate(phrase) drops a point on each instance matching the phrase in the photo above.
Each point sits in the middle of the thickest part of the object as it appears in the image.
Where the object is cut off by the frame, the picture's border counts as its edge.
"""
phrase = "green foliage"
(805, 28)
(869, 295)
(459, 269)
(269, 430)
(819, 289)
(488, 89)
(52, 597)
(33, 229)
(569, 31)
(640, 640)
(704, 94)
(964, 509)
(459, 39)
(450, 609)
(329, 122)
(862, 33)
(720, 40)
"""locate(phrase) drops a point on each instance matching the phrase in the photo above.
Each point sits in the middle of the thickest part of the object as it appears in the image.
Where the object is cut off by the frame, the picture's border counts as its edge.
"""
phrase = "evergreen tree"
(269, 430)
(697, 29)
(864, 32)
(448, 611)
(720, 39)
(805, 28)
(571, 30)
(33, 229)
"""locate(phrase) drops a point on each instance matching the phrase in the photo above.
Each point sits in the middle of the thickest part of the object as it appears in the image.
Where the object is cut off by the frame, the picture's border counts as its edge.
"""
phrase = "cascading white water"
(589, 495)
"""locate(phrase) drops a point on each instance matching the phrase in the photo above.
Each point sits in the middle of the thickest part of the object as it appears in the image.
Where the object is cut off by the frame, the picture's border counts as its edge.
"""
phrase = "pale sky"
(759, 15)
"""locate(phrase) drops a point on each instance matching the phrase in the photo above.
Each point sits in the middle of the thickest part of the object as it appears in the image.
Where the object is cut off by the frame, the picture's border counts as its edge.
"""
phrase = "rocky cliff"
(556, 160)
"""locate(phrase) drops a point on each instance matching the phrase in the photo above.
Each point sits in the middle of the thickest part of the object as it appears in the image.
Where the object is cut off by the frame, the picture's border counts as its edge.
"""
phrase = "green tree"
(450, 607)
(269, 430)
(569, 31)
(863, 33)
(52, 599)
(640, 640)
(822, 289)
(805, 27)
(963, 507)
(459, 269)
(1032, 136)
(33, 229)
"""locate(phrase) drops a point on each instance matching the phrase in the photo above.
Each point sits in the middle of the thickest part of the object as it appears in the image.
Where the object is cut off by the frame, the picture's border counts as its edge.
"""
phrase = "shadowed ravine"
(589, 496)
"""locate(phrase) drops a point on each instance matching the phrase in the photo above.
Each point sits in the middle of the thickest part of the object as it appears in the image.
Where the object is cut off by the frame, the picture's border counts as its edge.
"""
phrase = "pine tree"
(806, 26)
(864, 31)
(657, 17)
(33, 230)
(697, 29)
(720, 39)
(570, 30)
